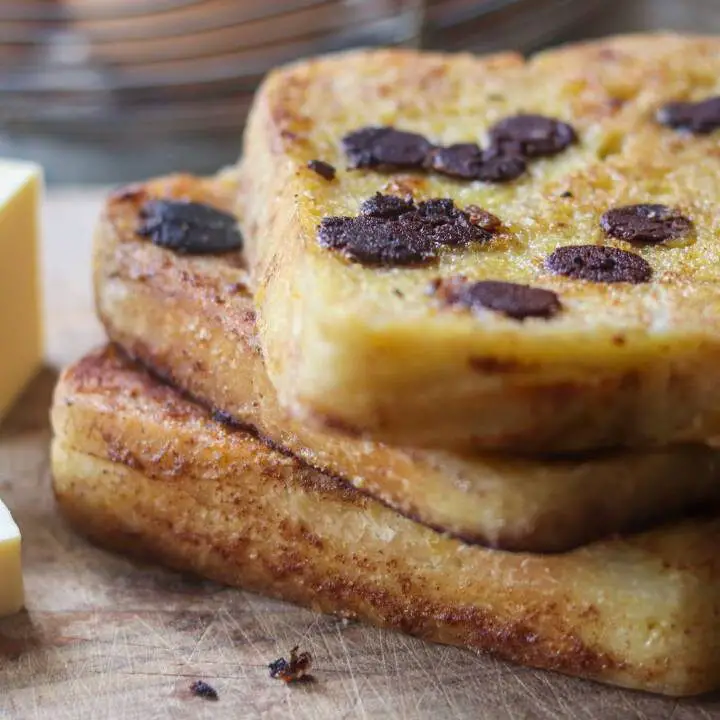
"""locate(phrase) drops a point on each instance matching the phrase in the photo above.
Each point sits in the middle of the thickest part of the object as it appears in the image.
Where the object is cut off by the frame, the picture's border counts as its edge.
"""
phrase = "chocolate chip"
(598, 264)
(699, 117)
(386, 206)
(448, 225)
(439, 210)
(189, 227)
(537, 135)
(458, 233)
(323, 169)
(377, 241)
(462, 160)
(501, 164)
(645, 223)
(468, 161)
(394, 231)
(277, 666)
(512, 299)
(385, 147)
(202, 689)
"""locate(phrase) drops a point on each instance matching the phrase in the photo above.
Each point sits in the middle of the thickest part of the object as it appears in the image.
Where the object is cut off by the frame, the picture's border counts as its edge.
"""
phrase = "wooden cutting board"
(107, 638)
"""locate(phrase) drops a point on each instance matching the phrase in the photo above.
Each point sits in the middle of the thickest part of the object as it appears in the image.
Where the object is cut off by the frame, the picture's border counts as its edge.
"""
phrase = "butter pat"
(11, 582)
(20, 327)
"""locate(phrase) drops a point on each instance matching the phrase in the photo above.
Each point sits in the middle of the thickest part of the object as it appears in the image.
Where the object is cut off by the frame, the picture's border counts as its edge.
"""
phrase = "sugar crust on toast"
(139, 469)
(367, 350)
(192, 320)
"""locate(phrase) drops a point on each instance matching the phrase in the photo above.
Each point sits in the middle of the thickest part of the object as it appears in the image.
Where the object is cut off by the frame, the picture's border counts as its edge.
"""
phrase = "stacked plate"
(106, 90)
(501, 24)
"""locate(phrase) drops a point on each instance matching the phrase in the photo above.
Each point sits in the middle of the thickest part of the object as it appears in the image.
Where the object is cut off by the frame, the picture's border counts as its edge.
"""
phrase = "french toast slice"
(355, 333)
(191, 320)
(139, 469)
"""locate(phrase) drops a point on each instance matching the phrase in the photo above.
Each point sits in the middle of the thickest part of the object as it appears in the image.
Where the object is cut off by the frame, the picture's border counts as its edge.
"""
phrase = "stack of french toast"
(440, 353)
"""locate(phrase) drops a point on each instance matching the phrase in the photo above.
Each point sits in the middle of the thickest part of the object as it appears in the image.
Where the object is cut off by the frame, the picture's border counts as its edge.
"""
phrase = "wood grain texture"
(107, 638)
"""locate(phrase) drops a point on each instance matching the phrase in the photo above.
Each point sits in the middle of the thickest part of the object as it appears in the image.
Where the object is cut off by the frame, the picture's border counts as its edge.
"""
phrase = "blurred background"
(105, 91)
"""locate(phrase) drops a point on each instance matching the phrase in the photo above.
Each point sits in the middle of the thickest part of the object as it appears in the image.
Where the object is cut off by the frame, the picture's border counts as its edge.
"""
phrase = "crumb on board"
(204, 690)
(294, 670)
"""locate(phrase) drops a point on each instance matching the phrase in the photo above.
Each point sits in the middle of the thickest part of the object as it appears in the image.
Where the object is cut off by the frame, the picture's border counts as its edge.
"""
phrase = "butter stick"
(20, 307)
(11, 581)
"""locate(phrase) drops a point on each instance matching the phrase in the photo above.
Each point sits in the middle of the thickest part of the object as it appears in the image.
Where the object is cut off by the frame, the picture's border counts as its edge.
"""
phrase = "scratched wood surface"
(107, 638)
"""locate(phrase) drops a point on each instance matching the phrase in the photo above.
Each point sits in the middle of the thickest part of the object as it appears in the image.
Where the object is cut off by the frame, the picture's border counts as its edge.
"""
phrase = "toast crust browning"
(367, 350)
(139, 469)
(192, 321)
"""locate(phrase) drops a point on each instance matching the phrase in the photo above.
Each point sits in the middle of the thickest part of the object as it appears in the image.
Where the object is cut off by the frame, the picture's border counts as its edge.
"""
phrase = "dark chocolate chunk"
(469, 162)
(501, 164)
(696, 117)
(461, 161)
(189, 227)
(386, 206)
(448, 225)
(201, 689)
(458, 233)
(536, 135)
(598, 263)
(645, 223)
(512, 299)
(393, 231)
(377, 241)
(439, 210)
(277, 666)
(385, 147)
(323, 169)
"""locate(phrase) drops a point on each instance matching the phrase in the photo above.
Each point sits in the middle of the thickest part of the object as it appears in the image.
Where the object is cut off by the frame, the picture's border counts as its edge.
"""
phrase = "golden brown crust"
(192, 321)
(139, 469)
(353, 347)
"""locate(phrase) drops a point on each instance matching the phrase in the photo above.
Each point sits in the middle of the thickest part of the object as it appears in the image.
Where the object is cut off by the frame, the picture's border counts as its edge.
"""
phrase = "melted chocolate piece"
(448, 225)
(323, 169)
(189, 228)
(536, 135)
(512, 299)
(501, 164)
(468, 161)
(439, 210)
(377, 241)
(645, 223)
(393, 231)
(699, 118)
(387, 206)
(462, 160)
(599, 264)
(385, 147)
